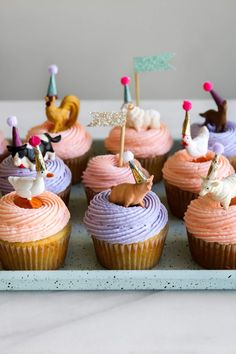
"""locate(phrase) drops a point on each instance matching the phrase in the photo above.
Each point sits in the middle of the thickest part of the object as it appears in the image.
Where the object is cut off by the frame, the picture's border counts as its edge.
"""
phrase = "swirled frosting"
(74, 142)
(3, 144)
(207, 220)
(103, 172)
(227, 138)
(180, 170)
(144, 143)
(117, 224)
(26, 225)
(56, 184)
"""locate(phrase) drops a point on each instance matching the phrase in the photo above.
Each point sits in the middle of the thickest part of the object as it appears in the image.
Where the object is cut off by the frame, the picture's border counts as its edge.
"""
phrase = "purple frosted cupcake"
(127, 237)
(221, 130)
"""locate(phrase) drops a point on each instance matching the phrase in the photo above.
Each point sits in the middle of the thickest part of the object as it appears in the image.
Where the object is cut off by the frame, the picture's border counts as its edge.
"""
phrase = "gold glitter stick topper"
(107, 119)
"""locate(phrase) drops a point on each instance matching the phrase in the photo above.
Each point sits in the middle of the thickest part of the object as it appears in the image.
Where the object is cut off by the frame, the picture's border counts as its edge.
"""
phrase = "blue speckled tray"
(81, 271)
(176, 269)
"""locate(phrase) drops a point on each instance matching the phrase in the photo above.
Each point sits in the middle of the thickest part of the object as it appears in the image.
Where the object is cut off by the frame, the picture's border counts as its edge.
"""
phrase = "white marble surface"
(115, 322)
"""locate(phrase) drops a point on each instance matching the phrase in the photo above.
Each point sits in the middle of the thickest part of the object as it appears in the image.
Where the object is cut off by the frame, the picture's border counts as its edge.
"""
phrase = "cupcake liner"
(90, 194)
(154, 166)
(46, 254)
(77, 166)
(65, 195)
(232, 160)
(178, 200)
(140, 255)
(212, 255)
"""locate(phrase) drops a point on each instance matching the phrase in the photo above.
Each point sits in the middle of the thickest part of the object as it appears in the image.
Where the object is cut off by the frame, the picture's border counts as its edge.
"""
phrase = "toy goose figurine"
(28, 187)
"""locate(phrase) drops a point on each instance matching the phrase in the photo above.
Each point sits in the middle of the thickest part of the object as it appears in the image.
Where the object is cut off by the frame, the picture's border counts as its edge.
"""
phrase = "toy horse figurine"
(213, 117)
(64, 116)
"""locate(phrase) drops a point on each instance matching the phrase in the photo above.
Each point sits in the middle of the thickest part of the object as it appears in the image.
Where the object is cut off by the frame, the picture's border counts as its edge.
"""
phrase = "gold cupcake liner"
(65, 195)
(212, 255)
(178, 200)
(232, 160)
(46, 254)
(77, 166)
(135, 256)
(154, 165)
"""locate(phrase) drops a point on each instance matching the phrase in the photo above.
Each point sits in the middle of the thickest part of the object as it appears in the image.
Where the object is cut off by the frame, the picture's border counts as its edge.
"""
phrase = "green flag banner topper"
(105, 119)
(153, 63)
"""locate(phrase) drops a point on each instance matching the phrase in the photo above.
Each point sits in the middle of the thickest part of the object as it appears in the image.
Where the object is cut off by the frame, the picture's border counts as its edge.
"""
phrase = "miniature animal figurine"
(24, 157)
(218, 149)
(128, 194)
(198, 146)
(139, 118)
(29, 187)
(64, 116)
(213, 117)
(221, 191)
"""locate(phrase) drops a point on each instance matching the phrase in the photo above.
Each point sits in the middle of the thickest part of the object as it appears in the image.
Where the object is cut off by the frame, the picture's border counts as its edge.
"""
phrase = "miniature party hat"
(139, 176)
(187, 106)
(125, 80)
(16, 140)
(39, 161)
(208, 86)
(52, 88)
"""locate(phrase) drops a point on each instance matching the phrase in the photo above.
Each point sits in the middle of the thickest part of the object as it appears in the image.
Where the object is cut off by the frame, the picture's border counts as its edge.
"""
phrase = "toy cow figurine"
(221, 191)
(213, 117)
(128, 194)
(24, 157)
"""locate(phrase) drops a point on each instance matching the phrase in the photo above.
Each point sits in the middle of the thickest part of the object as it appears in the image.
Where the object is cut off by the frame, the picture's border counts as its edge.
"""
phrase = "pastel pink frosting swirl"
(103, 172)
(26, 225)
(143, 144)
(207, 220)
(180, 170)
(74, 142)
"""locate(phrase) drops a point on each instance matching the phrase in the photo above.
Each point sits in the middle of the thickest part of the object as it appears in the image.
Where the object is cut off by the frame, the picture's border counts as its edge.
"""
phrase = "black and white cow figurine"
(23, 156)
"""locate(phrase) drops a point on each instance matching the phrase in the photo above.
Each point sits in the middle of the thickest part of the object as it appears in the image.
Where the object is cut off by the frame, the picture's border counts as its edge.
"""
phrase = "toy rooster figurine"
(64, 116)
(27, 188)
(198, 146)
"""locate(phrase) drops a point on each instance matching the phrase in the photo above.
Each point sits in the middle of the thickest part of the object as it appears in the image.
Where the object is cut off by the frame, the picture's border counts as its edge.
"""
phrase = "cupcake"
(3, 147)
(34, 227)
(128, 225)
(182, 172)
(74, 147)
(145, 135)
(210, 223)
(103, 172)
(21, 163)
(220, 129)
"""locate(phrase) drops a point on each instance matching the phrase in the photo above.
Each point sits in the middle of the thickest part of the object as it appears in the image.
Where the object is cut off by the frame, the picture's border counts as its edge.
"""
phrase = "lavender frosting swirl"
(227, 138)
(117, 224)
(56, 184)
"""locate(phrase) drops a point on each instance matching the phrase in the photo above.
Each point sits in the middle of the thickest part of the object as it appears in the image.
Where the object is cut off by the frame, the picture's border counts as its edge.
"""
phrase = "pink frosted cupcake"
(145, 135)
(74, 147)
(103, 172)
(3, 147)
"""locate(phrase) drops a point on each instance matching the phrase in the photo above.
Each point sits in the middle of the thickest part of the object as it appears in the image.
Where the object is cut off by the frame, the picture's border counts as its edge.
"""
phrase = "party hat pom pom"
(218, 148)
(128, 156)
(34, 140)
(208, 86)
(125, 80)
(12, 121)
(53, 69)
(187, 105)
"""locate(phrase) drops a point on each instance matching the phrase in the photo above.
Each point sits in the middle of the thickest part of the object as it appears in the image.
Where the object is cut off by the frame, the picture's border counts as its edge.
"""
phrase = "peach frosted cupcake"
(145, 135)
(103, 172)
(182, 172)
(74, 147)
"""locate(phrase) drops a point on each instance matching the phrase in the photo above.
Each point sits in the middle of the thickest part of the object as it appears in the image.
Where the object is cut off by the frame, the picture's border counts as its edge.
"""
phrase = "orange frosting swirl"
(180, 170)
(103, 172)
(26, 225)
(74, 142)
(207, 220)
(143, 144)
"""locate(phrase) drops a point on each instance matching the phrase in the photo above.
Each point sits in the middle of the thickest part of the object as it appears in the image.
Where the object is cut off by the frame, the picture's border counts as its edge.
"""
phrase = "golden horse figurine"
(64, 116)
